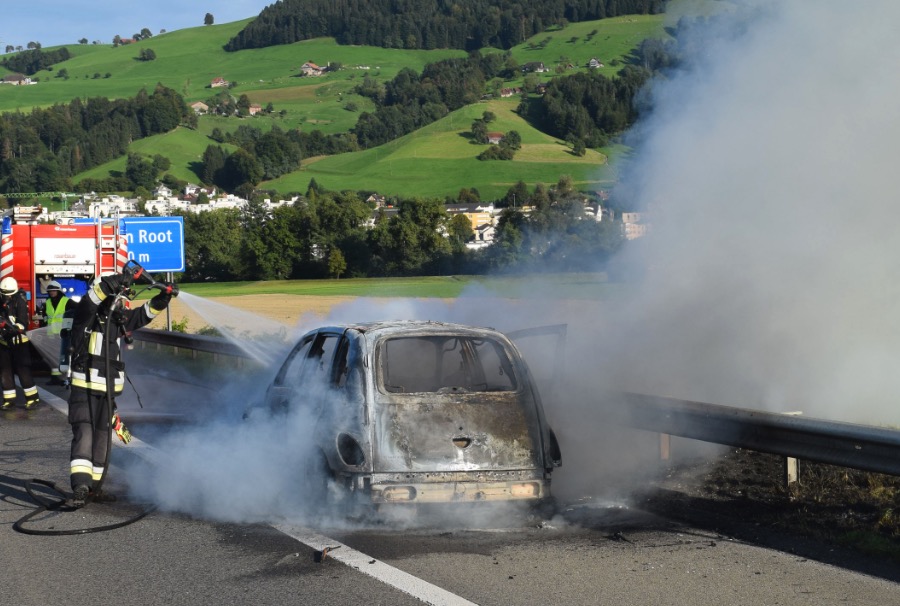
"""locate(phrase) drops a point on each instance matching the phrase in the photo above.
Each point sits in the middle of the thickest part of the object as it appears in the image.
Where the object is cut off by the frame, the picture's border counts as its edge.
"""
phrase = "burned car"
(420, 412)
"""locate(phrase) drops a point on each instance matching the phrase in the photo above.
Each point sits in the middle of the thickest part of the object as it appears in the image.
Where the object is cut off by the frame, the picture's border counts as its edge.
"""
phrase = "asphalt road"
(591, 553)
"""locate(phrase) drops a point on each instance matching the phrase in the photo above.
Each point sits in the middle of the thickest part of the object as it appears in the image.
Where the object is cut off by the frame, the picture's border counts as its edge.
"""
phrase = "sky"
(54, 22)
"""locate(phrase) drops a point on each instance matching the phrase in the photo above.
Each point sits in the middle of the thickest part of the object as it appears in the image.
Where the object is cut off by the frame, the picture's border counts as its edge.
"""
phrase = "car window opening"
(445, 364)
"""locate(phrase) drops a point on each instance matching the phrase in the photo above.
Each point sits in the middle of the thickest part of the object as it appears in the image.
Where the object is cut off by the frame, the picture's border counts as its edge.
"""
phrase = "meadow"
(435, 161)
(588, 286)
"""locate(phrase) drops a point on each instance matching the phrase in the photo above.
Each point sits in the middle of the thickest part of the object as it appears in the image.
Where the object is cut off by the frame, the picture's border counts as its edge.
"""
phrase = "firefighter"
(101, 317)
(58, 312)
(15, 351)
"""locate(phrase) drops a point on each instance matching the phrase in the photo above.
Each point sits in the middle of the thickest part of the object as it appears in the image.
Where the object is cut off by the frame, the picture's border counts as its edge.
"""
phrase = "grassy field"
(440, 159)
(435, 161)
(569, 285)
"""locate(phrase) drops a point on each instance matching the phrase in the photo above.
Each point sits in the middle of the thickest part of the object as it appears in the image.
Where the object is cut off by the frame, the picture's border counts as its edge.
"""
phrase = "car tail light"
(399, 493)
(529, 489)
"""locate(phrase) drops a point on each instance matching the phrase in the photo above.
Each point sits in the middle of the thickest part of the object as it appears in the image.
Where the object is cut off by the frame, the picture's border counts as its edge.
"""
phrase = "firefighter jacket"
(57, 318)
(14, 309)
(92, 353)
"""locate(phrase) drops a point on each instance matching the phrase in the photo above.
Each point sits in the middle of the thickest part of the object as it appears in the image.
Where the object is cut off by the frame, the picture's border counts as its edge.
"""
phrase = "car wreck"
(420, 412)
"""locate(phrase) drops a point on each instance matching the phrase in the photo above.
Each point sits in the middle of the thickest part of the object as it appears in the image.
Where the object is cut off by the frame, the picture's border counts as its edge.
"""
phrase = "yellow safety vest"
(54, 314)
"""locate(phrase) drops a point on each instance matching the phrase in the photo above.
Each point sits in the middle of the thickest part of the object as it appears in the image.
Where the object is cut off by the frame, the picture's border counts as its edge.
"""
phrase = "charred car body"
(420, 412)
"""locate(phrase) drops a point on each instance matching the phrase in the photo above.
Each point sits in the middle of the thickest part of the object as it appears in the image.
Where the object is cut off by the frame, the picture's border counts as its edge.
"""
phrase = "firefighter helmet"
(9, 286)
(53, 285)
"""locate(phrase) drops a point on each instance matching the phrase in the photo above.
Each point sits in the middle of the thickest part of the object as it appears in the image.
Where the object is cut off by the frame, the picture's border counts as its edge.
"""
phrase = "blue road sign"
(156, 243)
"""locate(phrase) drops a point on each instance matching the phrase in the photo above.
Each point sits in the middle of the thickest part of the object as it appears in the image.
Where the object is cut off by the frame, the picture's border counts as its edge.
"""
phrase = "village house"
(633, 226)
(311, 69)
(199, 107)
(218, 82)
(254, 109)
(478, 214)
(376, 199)
(594, 64)
(534, 66)
(484, 236)
(17, 80)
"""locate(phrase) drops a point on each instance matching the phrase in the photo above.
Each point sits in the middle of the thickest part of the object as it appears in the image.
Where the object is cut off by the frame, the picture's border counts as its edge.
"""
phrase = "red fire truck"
(72, 254)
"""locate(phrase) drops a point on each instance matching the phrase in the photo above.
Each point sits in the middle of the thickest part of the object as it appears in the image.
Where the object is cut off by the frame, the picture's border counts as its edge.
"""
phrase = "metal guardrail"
(844, 444)
(215, 345)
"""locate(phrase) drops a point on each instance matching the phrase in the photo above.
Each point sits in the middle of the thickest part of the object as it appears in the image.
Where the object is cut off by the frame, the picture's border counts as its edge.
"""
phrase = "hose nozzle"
(134, 270)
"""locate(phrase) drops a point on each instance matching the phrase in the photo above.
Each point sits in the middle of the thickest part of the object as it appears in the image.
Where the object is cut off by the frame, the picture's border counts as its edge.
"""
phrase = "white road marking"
(405, 582)
(387, 574)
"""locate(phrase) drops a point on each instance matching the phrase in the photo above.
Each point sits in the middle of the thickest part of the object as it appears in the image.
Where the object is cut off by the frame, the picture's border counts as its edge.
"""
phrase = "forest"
(42, 150)
(326, 234)
(425, 24)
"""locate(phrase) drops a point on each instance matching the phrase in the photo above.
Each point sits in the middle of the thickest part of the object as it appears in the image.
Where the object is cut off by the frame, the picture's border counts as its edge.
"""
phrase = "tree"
(83, 41)
(479, 131)
(140, 172)
(147, 54)
(213, 163)
(460, 231)
(242, 167)
(10, 48)
(208, 19)
(337, 264)
(117, 40)
(146, 33)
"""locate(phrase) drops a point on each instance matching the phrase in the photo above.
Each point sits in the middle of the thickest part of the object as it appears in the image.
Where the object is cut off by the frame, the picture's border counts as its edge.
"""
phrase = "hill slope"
(435, 161)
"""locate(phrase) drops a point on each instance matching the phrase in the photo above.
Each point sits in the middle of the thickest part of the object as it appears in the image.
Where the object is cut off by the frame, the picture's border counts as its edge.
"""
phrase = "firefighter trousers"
(90, 417)
(15, 359)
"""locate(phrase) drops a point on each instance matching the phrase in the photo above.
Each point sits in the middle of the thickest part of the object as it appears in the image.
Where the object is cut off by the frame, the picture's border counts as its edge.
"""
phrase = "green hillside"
(437, 160)
(440, 159)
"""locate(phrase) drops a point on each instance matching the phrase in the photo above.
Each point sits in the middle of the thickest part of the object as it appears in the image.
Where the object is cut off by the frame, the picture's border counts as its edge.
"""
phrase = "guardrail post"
(791, 471)
(792, 464)
(665, 446)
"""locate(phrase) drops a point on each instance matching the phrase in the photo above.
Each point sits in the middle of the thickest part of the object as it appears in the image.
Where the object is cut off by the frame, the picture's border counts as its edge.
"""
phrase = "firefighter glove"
(160, 301)
(115, 283)
(9, 331)
(120, 429)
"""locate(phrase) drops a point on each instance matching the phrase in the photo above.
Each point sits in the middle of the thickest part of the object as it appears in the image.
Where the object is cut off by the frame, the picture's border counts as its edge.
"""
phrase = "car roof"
(400, 327)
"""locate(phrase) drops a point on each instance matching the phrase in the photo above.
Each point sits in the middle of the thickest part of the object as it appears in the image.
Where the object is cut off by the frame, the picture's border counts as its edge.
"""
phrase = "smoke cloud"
(765, 170)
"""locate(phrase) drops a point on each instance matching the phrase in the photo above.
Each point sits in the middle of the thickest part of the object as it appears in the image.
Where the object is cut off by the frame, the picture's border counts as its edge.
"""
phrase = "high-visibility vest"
(54, 315)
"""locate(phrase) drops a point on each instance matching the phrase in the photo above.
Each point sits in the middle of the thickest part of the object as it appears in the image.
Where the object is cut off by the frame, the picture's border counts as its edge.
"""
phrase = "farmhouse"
(534, 66)
(218, 82)
(594, 64)
(17, 80)
(377, 199)
(199, 107)
(311, 69)
(254, 109)
(495, 138)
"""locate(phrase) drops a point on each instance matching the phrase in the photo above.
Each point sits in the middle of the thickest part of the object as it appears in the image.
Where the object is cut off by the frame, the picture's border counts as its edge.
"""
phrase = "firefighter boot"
(79, 498)
(8, 403)
(31, 402)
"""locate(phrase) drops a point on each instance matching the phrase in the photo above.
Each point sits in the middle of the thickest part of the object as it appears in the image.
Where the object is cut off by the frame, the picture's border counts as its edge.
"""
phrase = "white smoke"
(766, 172)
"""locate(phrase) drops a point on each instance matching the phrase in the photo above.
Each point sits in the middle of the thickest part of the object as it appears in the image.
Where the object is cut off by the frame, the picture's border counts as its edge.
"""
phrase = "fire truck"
(71, 253)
